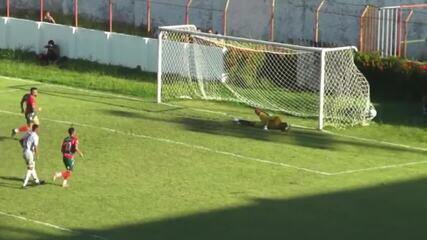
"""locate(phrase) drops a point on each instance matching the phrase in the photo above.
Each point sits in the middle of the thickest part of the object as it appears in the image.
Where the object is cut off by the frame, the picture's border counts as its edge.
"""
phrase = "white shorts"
(29, 159)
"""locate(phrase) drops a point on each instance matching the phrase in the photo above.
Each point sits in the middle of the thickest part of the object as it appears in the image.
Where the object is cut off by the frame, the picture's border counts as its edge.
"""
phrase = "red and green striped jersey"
(69, 146)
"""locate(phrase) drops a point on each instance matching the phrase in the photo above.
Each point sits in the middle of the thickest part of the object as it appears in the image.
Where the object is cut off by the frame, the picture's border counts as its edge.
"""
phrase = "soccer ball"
(372, 113)
(224, 77)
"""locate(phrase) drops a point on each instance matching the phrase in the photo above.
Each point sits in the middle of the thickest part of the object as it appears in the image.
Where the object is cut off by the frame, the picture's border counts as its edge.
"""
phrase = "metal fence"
(381, 29)
(385, 29)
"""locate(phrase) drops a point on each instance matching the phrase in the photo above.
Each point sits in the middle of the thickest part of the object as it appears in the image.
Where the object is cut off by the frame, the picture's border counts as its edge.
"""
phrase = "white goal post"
(307, 82)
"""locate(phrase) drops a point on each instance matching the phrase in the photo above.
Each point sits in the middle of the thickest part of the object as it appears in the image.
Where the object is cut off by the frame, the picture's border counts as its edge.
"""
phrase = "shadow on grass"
(390, 211)
(16, 182)
(10, 178)
(401, 114)
(3, 138)
(11, 182)
(296, 136)
(8, 138)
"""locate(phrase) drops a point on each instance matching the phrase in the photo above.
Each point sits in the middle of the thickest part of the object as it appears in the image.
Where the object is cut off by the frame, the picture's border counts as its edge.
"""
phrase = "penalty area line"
(198, 147)
(378, 168)
(49, 225)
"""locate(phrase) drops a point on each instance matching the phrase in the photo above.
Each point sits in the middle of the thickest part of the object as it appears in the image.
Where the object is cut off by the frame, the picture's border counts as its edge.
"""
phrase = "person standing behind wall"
(48, 18)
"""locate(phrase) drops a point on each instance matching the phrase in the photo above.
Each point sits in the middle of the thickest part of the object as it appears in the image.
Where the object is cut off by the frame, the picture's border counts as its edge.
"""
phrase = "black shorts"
(32, 118)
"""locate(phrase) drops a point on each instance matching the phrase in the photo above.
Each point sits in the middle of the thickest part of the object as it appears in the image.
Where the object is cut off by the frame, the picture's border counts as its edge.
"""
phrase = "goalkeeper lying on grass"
(267, 121)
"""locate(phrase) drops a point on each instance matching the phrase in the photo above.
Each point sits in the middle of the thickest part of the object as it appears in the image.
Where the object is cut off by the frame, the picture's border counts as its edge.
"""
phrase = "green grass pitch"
(178, 172)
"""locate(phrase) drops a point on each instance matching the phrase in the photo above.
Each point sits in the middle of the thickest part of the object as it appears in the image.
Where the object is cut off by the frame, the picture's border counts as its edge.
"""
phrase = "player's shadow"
(3, 138)
(229, 128)
(8, 138)
(295, 136)
(11, 178)
(11, 182)
(16, 182)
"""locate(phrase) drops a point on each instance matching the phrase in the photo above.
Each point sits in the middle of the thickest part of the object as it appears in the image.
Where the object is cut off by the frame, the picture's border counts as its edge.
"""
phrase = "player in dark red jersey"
(30, 111)
(69, 147)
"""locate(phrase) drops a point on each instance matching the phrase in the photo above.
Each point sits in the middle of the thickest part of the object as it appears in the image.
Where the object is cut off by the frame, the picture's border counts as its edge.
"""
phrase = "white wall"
(339, 21)
(80, 43)
(111, 48)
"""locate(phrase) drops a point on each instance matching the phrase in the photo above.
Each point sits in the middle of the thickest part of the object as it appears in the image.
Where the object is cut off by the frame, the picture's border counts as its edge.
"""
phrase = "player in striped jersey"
(69, 147)
(29, 144)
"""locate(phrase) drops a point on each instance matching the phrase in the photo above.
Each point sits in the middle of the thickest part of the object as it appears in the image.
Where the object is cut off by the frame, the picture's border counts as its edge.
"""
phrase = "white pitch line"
(165, 140)
(377, 141)
(49, 225)
(196, 109)
(378, 168)
(9, 90)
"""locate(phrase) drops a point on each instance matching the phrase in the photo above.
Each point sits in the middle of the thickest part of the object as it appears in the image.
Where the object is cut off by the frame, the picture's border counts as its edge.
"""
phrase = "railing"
(380, 29)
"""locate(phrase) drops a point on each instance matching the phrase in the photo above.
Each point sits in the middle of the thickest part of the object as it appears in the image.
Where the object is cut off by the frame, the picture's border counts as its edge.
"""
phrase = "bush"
(393, 79)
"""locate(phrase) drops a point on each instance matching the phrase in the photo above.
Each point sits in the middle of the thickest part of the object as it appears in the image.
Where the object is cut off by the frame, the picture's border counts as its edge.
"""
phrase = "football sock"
(27, 177)
(23, 128)
(66, 174)
(34, 174)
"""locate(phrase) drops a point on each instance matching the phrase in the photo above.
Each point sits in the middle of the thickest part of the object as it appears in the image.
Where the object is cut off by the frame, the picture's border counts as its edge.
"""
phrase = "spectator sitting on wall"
(52, 53)
(48, 18)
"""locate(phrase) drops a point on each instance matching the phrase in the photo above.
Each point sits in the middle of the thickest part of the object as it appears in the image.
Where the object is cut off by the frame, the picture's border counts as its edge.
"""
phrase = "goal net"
(320, 83)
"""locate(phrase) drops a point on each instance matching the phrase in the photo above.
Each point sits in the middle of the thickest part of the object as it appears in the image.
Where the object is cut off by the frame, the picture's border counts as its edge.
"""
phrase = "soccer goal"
(308, 82)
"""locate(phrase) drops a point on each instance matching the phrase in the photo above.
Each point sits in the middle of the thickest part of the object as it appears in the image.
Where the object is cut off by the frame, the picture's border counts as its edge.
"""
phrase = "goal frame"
(322, 51)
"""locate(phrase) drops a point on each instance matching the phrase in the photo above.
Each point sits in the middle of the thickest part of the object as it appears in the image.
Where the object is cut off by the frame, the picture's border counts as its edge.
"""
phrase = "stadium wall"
(339, 19)
(102, 47)
(79, 43)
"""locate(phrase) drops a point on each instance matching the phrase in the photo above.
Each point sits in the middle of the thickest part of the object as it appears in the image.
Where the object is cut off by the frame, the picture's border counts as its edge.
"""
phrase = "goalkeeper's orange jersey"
(271, 122)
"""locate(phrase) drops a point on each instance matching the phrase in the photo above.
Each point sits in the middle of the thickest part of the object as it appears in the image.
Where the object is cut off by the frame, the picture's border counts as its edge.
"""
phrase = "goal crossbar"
(175, 28)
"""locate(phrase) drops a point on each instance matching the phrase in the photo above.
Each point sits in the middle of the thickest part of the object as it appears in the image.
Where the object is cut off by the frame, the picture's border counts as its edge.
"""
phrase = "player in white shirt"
(29, 144)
